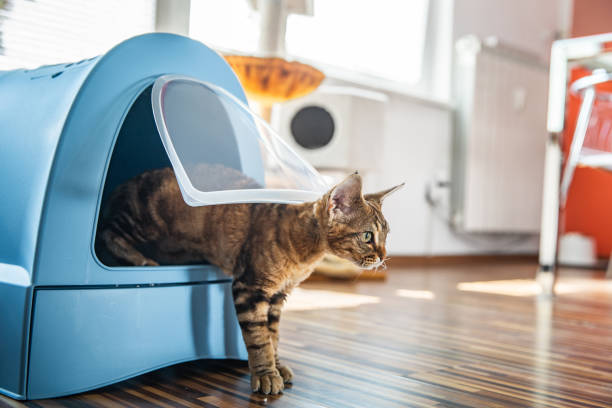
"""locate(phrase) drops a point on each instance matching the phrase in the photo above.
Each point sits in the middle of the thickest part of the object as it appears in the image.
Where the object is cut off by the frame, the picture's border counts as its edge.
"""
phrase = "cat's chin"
(360, 264)
(368, 267)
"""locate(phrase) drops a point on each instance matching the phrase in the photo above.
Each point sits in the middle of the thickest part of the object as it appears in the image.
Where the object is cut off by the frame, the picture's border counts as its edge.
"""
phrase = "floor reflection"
(311, 299)
(529, 287)
(415, 294)
(543, 330)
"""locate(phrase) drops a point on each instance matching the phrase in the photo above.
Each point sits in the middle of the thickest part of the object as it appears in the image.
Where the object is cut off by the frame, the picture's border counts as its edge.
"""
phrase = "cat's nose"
(382, 253)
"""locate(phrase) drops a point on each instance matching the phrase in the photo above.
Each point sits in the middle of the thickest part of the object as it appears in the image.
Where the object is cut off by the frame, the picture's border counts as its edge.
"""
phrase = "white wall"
(416, 143)
(172, 16)
(525, 24)
(416, 135)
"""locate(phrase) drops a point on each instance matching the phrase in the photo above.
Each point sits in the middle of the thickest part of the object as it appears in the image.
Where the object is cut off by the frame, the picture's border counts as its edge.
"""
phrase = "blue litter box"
(69, 135)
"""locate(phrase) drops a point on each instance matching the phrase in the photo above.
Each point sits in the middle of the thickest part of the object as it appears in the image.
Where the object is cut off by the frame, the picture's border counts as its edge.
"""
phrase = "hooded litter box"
(69, 135)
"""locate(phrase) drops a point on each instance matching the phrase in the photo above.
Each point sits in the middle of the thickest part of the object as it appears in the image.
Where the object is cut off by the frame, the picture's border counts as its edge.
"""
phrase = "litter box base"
(84, 339)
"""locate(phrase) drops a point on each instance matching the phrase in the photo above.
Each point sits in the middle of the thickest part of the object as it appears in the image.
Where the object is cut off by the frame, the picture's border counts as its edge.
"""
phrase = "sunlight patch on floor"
(415, 294)
(310, 299)
(529, 287)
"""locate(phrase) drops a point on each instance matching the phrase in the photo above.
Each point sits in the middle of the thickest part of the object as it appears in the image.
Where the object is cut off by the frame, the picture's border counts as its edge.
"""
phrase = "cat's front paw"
(285, 372)
(267, 383)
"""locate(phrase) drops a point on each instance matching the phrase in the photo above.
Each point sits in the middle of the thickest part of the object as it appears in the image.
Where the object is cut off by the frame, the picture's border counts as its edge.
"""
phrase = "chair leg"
(555, 192)
(546, 278)
(582, 125)
(550, 216)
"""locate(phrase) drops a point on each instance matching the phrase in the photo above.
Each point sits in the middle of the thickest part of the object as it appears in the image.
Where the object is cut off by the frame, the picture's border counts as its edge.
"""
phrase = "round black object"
(312, 127)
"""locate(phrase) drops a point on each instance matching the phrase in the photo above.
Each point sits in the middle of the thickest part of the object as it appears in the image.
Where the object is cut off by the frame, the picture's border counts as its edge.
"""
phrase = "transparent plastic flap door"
(222, 152)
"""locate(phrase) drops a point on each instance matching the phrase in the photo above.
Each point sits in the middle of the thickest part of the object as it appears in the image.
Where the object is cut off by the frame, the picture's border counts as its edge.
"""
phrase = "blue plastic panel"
(84, 339)
(33, 107)
(14, 325)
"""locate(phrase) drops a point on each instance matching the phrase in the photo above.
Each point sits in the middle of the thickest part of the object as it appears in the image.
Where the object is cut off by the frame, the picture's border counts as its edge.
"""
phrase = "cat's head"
(357, 230)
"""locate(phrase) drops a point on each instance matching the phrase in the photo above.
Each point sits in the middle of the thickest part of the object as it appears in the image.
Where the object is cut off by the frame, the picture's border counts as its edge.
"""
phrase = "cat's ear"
(345, 197)
(381, 195)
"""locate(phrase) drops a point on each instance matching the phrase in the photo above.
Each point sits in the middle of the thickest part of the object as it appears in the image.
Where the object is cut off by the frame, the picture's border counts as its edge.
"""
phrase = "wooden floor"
(437, 336)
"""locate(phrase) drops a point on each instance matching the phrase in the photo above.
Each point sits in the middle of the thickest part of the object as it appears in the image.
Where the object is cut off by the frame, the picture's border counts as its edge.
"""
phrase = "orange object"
(589, 202)
(274, 80)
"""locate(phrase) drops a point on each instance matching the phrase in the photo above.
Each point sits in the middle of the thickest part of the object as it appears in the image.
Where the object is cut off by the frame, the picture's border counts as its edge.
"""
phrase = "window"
(378, 38)
(230, 25)
(382, 38)
(42, 32)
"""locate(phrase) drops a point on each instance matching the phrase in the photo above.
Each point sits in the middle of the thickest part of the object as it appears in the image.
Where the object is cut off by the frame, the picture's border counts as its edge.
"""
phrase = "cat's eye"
(366, 236)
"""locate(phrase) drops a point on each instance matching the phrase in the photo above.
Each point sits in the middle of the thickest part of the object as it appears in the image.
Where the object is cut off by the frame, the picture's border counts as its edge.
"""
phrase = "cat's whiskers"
(382, 264)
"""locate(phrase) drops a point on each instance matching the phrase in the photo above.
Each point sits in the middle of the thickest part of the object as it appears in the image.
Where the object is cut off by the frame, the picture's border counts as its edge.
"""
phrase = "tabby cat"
(267, 248)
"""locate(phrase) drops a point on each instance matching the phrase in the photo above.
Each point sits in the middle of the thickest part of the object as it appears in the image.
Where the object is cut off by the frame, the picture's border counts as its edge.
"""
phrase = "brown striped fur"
(267, 248)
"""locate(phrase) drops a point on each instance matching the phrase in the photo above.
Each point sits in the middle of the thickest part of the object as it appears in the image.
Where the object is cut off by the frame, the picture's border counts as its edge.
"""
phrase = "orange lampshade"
(274, 80)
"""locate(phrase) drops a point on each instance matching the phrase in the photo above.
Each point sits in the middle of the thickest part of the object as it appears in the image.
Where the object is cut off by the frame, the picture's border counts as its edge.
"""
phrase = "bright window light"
(415, 294)
(529, 287)
(513, 287)
(310, 299)
(44, 32)
(382, 38)
(227, 25)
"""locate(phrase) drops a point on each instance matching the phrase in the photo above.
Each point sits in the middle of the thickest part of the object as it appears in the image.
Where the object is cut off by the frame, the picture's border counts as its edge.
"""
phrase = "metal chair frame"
(555, 190)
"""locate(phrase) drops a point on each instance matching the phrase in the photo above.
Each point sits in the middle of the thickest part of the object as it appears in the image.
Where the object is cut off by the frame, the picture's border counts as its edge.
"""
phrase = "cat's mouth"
(370, 263)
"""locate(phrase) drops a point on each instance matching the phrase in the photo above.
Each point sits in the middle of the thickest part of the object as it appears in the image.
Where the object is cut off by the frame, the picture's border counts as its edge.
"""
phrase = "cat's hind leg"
(123, 250)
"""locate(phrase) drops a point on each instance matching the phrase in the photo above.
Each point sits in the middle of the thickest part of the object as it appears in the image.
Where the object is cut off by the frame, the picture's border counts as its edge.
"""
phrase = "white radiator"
(500, 134)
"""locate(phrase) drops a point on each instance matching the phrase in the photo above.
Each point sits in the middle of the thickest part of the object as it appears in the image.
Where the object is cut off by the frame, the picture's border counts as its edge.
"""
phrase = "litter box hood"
(222, 152)
(71, 133)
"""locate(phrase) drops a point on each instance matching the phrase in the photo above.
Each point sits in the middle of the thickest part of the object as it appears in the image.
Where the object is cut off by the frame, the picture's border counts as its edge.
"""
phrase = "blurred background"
(449, 96)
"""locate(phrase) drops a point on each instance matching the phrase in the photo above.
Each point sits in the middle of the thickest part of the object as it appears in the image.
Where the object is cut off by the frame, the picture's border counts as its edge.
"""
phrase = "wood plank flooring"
(429, 336)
